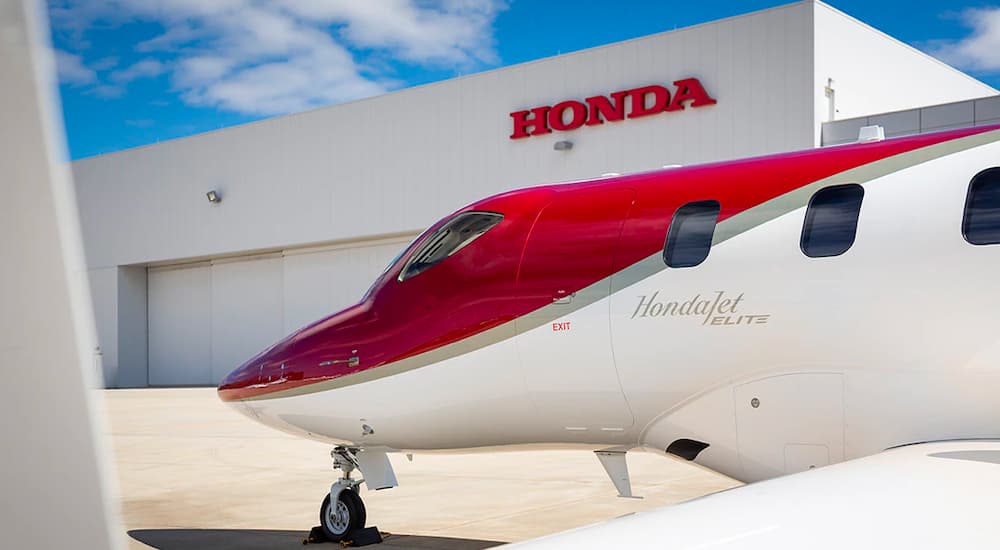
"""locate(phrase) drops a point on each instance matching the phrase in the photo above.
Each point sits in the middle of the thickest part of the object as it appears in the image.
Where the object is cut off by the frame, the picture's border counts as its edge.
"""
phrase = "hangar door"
(206, 319)
(180, 326)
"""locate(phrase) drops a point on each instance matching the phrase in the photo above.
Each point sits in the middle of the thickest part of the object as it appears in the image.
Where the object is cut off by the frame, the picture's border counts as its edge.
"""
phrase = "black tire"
(359, 506)
(337, 528)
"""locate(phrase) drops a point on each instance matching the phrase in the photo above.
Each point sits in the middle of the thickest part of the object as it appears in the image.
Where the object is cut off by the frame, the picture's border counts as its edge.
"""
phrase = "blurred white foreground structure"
(52, 468)
(932, 495)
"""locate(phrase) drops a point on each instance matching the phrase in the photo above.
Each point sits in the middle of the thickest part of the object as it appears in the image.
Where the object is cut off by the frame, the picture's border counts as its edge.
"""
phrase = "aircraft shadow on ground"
(260, 539)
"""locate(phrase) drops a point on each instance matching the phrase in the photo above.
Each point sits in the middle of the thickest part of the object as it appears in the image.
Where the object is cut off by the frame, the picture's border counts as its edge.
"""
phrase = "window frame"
(670, 241)
(968, 202)
(809, 220)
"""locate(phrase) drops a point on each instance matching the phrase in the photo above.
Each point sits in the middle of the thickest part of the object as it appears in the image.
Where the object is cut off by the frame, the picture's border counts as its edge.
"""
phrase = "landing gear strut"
(342, 510)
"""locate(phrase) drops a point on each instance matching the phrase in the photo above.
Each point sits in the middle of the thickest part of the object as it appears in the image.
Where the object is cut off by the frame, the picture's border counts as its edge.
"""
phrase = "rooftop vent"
(871, 133)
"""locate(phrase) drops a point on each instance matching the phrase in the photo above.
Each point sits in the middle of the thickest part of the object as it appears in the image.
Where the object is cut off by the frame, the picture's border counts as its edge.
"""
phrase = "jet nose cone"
(315, 352)
(236, 384)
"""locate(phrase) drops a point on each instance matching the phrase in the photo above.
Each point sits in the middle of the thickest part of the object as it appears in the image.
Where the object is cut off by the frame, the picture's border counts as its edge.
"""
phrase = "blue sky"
(134, 72)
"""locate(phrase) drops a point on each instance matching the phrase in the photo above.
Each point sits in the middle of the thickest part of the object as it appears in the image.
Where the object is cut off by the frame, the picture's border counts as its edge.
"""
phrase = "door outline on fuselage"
(574, 328)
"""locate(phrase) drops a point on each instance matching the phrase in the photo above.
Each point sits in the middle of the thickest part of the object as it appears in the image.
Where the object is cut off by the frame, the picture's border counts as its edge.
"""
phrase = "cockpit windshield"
(449, 239)
(398, 255)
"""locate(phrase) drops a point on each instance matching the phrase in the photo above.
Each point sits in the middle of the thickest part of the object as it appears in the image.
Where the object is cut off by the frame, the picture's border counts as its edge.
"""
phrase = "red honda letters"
(644, 101)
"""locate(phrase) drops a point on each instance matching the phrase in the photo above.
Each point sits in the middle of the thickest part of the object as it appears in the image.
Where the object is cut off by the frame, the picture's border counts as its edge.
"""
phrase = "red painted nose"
(318, 352)
(238, 382)
(265, 368)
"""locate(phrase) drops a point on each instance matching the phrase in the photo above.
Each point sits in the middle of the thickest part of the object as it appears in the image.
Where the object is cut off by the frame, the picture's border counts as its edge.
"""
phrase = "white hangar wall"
(396, 163)
(875, 73)
(315, 204)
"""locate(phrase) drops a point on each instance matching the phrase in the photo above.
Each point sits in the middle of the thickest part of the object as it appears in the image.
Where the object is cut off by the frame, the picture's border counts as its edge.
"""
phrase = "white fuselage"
(778, 361)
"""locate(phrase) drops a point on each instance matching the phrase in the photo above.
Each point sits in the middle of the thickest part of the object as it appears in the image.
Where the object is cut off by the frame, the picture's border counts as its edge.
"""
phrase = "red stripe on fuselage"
(477, 288)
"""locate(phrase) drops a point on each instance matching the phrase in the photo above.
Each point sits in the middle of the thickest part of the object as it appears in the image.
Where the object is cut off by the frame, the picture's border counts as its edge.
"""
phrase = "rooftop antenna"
(831, 100)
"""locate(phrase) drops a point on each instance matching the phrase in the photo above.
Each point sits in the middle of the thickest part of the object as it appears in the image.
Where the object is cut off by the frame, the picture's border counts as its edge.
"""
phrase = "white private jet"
(760, 317)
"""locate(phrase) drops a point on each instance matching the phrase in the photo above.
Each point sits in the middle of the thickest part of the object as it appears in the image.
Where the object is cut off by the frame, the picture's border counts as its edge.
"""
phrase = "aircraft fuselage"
(558, 321)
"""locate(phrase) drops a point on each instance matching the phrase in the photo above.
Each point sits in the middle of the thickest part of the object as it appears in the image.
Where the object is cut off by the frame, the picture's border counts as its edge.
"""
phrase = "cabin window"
(453, 236)
(981, 222)
(689, 237)
(831, 220)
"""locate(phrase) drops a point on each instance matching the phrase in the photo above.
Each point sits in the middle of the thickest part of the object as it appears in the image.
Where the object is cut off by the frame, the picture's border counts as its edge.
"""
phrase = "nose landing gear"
(342, 510)
(346, 516)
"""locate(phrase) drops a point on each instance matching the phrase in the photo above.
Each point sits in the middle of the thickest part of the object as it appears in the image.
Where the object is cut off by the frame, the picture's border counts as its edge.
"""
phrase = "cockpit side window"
(449, 239)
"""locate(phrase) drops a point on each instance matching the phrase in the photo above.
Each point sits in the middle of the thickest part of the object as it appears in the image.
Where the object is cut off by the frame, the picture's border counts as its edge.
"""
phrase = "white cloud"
(175, 36)
(980, 51)
(192, 72)
(107, 90)
(104, 64)
(265, 62)
(280, 56)
(71, 69)
(318, 77)
(146, 68)
(454, 31)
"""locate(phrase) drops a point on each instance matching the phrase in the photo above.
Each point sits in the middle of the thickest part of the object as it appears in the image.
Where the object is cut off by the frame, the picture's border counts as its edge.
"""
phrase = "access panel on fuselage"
(789, 423)
(565, 344)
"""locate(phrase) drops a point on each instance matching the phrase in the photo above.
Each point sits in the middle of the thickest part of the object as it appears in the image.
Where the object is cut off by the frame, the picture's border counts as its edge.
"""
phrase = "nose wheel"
(346, 515)
(342, 510)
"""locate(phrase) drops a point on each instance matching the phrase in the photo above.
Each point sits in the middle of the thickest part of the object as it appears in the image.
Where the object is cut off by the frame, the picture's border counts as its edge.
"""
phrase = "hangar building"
(314, 205)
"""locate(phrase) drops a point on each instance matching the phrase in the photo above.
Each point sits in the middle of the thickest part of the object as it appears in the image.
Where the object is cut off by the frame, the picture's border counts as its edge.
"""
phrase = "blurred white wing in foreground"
(52, 468)
(932, 495)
